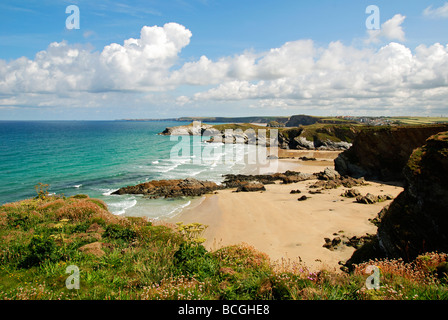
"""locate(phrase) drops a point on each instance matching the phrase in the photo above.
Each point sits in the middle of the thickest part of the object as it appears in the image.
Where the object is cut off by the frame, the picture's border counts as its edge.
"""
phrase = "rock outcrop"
(170, 188)
(382, 152)
(194, 129)
(238, 180)
(251, 186)
(320, 137)
(417, 220)
(191, 187)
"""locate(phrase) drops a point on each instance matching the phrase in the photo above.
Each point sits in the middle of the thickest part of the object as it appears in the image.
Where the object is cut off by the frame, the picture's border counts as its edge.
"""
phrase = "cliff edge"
(382, 152)
(417, 220)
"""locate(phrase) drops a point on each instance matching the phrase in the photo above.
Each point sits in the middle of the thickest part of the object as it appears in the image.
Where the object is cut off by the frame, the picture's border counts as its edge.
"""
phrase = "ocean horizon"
(99, 157)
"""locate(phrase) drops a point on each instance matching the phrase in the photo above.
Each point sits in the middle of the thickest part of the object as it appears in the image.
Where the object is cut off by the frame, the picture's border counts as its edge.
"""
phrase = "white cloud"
(440, 12)
(292, 58)
(298, 75)
(138, 64)
(357, 80)
(390, 30)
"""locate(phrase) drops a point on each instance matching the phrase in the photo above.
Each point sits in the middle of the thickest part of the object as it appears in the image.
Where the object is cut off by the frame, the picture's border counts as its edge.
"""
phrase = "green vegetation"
(234, 119)
(324, 132)
(131, 258)
(239, 126)
(417, 120)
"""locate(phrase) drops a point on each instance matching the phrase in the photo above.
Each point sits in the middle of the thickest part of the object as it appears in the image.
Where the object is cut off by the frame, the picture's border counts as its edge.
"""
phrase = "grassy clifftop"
(130, 258)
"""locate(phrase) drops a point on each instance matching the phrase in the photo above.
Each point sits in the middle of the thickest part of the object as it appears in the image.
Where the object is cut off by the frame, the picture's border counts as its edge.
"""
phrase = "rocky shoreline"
(190, 187)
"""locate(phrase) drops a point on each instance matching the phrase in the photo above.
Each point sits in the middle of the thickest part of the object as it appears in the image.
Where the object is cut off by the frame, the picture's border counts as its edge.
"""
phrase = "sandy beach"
(275, 222)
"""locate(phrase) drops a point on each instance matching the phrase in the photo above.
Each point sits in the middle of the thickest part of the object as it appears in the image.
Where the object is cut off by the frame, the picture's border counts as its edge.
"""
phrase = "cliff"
(417, 220)
(335, 137)
(319, 137)
(382, 152)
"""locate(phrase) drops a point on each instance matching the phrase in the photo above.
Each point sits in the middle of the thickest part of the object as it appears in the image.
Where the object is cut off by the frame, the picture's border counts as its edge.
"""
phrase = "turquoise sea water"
(98, 157)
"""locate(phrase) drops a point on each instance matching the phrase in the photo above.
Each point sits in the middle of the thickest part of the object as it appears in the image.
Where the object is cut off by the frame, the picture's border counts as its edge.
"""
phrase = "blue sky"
(226, 58)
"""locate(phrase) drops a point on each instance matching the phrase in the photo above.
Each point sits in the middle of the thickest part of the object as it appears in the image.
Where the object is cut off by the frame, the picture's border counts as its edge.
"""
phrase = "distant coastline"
(295, 120)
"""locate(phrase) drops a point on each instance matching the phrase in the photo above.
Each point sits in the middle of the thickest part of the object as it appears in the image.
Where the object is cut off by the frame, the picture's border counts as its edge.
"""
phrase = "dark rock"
(251, 186)
(235, 180)
(382, 152)
(371, 199)
(170, 188)
(336, 241)
(351, 193)
(347, 182)
(328, 174)
(295, 191)
(302, 198)
(367, 199)
(416, 222)
(377, 220)
(355, 241)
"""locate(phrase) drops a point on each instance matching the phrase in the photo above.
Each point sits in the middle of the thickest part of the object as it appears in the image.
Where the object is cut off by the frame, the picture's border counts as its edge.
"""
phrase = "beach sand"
(274, 222)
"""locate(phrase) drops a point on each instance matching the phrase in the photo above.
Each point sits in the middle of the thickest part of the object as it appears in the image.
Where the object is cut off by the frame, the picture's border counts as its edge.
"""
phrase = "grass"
(418, 120)
(239, 126)
(136, 259)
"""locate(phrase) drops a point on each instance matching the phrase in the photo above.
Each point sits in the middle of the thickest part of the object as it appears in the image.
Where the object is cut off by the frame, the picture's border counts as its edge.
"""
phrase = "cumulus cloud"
(138, 64)
(440, 12)
(349, 79)
(336, 78)
(144, 62)
(292, 58)
(390, 30)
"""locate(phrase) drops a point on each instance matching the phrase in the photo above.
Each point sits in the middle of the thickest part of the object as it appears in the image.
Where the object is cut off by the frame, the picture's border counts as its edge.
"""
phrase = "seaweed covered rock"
(237, 180)
(170, 188)
(251, 186)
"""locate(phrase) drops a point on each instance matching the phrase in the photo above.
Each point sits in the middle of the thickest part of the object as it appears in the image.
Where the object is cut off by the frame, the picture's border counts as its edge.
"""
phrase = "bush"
(80, 196)
(41, 190)
(41, 248)
(194, 260)
(116, 231)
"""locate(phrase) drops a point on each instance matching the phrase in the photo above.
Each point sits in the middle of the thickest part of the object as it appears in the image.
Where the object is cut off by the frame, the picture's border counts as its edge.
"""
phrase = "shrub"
(116, 231)
(80, 196)
(81, 210)
(194, 260)
(40, 249)
(41, 190)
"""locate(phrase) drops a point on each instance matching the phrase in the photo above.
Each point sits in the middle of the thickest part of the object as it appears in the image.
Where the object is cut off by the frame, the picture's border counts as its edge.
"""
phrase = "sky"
(108, 60)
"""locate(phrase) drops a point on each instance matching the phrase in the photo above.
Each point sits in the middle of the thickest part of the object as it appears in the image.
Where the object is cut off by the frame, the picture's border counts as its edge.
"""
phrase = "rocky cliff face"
(313, 137)
(417, 220)
(381, 152)
(320, 137)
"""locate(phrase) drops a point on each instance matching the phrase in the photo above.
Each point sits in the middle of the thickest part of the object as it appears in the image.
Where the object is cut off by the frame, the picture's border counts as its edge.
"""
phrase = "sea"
(99, 157)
